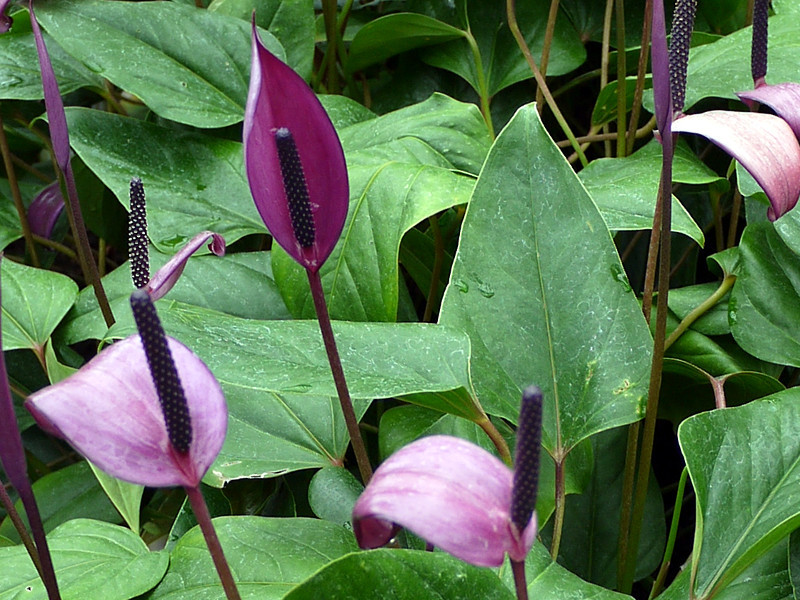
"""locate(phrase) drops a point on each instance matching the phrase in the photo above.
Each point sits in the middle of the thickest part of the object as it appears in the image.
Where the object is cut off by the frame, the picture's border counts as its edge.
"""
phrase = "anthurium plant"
(413, 300)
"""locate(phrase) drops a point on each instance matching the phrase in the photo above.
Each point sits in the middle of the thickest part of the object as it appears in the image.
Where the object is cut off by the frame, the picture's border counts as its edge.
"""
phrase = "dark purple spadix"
(162, 368)
(137, 235)
(682, 26)
(526, 460)
(758, 51)
(294, 183)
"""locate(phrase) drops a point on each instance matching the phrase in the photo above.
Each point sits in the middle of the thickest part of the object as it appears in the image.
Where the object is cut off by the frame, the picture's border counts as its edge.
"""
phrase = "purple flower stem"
(15, 193)
(16, 520)
(203, 517)
(338, 375)
(518, 568)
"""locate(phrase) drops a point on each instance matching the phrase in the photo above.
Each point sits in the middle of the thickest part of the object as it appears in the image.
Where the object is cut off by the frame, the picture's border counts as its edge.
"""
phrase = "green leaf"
(764, 309)
(283, 411)
(401, 172)
(126, 497)
(723, 68)
(503, 63)
(68, 493)
(92, 560)
(191, 66)
(396, 33)
(20, 78)
(744, 467)
(625, 189)
(332, 493)
(267, 557)
(193, 182)
(237, 284)
(291, 21)
(605, 107)
(401, 575)
(538, 286)
(34, 302)
(592, 519)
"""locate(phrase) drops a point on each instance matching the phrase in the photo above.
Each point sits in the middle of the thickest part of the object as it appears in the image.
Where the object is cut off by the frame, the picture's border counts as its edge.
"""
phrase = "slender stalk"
(605, 53)
(718, 385)
(338, 375)
(627, 499)
(203, 517)
(331, 35)
(540, 81)
(17, 196)
(65, 250)
(47, 572)
(16, 520)
(658, 584)
(483, 87)
(622, 82)
(518, 568)
(497, 439)
(558, 519)
(436, 270)
(643, 131)
(548, 41)
(734, 218)
(641, 73)
(656, 368)
(701, 309)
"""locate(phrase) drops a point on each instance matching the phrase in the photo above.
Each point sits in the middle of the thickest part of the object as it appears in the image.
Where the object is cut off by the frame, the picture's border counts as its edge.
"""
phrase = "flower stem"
(48, 572)
(518, 568)
(497, 439)
(673, 533)
(548, 42)
(16, 520)
(203, 517)
(701, 309)
(483, 88)
(558, 519)
(15, 193)
(622, 145)
(436, 271)
(324, 320)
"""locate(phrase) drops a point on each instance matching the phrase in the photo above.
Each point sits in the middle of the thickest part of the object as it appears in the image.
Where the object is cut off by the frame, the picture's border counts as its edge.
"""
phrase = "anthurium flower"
(110, 412)
(294, 161)
(764, 144)
(783, 98)
(457, 496)
(45, 209)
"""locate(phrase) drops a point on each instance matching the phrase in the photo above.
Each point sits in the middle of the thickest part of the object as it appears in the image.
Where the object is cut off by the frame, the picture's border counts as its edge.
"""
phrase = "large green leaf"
(502, 61)
(283, 414)
(193, 182)
(401, 575)
(237, 284)
(625, 189)
(401, 172)
(764, 309)
(34, 302)
(538, 286)
(723, 68)
(188, 65)
(20, 78)
(92, 560)
(267, 557)
(745, 468)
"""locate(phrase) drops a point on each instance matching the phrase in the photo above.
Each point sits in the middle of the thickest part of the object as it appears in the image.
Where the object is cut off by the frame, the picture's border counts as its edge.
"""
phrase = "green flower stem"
(203, 517)
(664, 220)
(558, 519)
(701, 309)
(483, 88)
(518, 569)
(436, 271)
(622, 144)
(324, 320)
(17, 196)
(658, 584)
(540, 81)
(16, 520)
(548, 41)
(497, 439)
